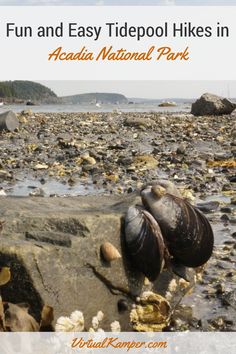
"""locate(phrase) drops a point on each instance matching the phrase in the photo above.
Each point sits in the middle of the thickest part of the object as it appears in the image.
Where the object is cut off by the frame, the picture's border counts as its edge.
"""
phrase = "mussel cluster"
(166, 231)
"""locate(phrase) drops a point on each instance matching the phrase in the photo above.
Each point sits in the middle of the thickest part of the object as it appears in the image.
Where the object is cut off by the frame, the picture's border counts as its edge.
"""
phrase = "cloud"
(118, 2)
(87, 2)
(167, 2)
(44, 2)
(100, 3)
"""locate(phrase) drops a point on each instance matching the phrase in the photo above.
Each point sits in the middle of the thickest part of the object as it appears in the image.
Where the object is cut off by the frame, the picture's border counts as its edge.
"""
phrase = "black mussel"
(187, 232)
(144, 242)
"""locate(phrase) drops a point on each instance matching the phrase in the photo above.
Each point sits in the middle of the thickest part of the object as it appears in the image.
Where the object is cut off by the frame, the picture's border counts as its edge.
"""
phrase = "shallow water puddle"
(30, 186)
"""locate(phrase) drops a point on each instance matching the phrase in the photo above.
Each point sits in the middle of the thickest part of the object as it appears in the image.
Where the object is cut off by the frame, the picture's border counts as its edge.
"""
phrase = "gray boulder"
(52, 246)
(209, 104)
(8, 121)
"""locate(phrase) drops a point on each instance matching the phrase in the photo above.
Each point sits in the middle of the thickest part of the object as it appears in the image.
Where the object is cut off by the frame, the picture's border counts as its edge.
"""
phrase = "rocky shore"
(113, 155)
(117, 153)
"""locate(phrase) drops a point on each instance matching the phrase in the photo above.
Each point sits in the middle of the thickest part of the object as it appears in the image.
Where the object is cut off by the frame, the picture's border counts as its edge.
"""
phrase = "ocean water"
(69, 108)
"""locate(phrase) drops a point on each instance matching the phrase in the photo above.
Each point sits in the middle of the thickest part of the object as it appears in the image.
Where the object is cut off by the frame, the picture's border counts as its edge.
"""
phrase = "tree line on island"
(34, 93)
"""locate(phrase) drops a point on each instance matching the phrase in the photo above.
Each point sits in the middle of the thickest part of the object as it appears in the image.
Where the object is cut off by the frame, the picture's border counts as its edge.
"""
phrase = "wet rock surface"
(52, 247)
(112, 155)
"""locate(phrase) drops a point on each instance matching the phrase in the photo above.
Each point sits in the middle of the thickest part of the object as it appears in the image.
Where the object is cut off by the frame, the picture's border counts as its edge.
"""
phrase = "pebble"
(38, 192)
(232, 179)
(226, 210)
(225, 218)
(233, 200)
(2, 192)
(122, 305)
(233, 234)
(181, 149)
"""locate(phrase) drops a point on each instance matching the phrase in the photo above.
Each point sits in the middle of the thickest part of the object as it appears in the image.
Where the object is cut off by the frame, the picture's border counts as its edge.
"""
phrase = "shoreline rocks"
(209, 104)
(97, 153)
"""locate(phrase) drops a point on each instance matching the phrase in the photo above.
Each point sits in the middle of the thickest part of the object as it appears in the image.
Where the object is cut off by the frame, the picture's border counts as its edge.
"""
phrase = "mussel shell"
(168, 186)
(144, 242)
(186, 231)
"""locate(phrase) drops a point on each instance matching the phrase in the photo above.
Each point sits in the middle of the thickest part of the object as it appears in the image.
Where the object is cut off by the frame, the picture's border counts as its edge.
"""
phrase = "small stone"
(226, 187)
(113, 178)
(226, 210)
(144, 162)
(27, 112)
(187, 194)
(220, 139)
(232, 179)
(181, 149)
(22, 119)
(220, 288)
(38, 192)
(130, 190)
(233, 234)
(224, 217)
(88, 159)
(2, 193)
(122, 305)
(109, 252)
(233, 201)
(41, 166)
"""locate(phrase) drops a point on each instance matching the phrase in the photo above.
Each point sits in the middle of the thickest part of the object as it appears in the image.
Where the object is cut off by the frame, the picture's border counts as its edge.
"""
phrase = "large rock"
(8, 121)
(52, 246)
(209, 104)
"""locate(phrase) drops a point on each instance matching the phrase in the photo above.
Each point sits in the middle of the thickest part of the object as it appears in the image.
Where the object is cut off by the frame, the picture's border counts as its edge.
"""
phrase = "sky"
(145, 89)
(118, 2)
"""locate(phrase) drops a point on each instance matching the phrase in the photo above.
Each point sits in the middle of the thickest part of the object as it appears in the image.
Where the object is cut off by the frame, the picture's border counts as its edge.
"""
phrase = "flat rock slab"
(53, 248)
